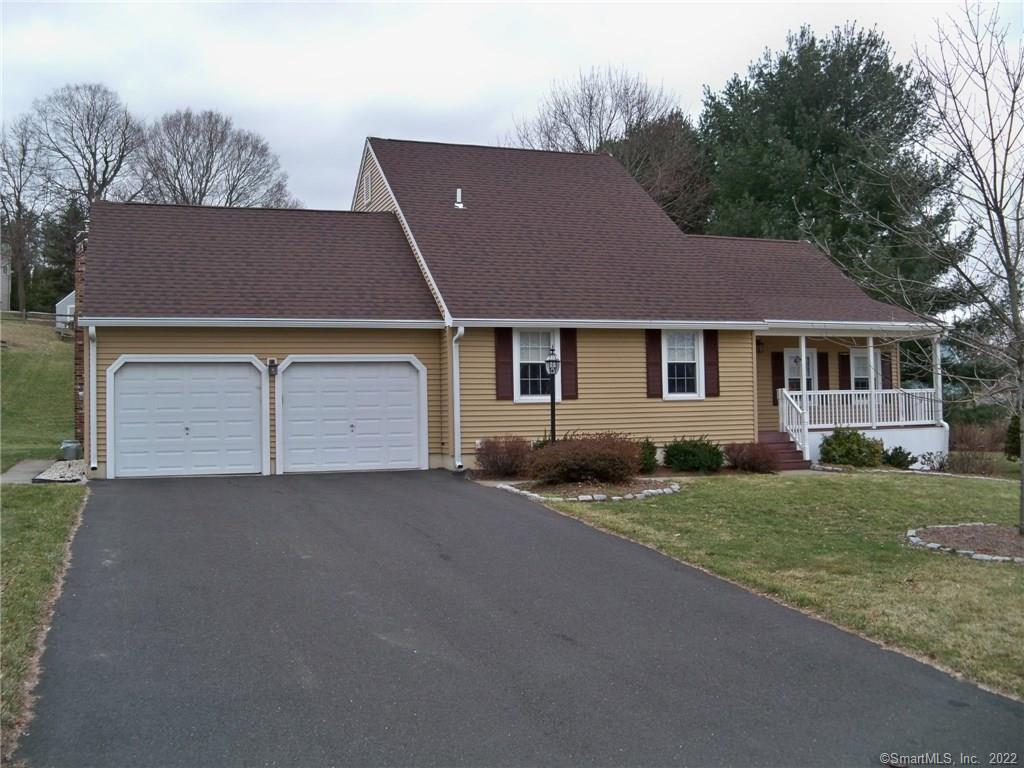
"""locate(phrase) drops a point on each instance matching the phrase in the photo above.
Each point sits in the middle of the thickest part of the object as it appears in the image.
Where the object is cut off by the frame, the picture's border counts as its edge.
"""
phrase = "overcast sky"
(316, 79)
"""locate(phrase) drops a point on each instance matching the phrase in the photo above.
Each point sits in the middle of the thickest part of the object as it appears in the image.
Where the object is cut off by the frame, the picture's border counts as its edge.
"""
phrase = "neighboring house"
(64, 314)
(400, 334)
(5, 277)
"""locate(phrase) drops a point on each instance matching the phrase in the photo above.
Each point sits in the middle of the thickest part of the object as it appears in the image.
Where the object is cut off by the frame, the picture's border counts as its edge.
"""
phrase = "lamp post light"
(552, 364)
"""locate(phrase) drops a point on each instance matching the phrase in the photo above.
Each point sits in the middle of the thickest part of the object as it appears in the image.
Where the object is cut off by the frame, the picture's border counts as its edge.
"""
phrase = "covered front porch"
(808, 384)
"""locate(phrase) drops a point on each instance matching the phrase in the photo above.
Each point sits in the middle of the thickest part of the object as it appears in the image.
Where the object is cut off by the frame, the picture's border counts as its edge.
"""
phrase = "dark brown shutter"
(711, 363)
(570, 384)
(504, 388)
(886, 370)
(778, 375)
(653, 362)
(844, 370)
(823, 370)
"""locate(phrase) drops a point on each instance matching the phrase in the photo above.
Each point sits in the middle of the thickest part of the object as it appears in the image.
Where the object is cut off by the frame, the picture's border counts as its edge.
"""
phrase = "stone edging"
(673, 488)
(916, 541)
(818, 467)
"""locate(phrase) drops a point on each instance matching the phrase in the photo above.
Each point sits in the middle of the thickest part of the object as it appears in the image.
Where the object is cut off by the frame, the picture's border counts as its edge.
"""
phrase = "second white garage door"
(349, 416)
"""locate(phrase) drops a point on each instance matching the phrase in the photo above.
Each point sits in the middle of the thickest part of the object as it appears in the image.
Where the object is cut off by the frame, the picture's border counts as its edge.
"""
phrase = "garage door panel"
(187, 418)
(349, 415)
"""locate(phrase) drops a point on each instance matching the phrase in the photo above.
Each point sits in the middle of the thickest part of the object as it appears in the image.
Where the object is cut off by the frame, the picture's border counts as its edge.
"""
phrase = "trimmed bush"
(693, 455)
(1012, 447)
(852, 448)
(751, 457)
(606, 458)
(648, 456)
(898, 457)
(503, 456)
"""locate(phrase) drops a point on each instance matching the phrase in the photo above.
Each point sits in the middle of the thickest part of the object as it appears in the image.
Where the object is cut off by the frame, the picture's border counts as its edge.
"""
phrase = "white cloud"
(317, 78)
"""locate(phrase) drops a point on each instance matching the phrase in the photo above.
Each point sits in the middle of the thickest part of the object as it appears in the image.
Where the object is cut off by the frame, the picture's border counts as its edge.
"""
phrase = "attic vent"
(458, 198)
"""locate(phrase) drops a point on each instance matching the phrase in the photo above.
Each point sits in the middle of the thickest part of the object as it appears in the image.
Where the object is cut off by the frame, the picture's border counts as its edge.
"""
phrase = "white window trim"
(812, 367)
(699, 341)
(556, 340)
(862, 352)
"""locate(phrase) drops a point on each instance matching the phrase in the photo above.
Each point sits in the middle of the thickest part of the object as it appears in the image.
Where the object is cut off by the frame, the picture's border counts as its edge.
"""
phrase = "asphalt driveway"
(419, 619)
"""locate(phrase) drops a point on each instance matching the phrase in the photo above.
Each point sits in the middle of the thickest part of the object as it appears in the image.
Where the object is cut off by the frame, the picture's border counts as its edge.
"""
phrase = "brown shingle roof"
(184, 261)
(572, 236)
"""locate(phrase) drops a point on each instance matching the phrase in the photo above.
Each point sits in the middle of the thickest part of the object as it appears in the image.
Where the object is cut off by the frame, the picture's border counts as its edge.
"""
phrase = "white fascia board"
(572, 323)
(255, 322)
(359, 174)
(852, 328)
(420, 260)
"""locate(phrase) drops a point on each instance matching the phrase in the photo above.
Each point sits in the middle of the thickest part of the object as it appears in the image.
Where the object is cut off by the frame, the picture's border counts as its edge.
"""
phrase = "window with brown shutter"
(653, 341)
(711, 363)
(778, 375)
(886, 370)
(844, 370)
(504, 386)
(570, 384)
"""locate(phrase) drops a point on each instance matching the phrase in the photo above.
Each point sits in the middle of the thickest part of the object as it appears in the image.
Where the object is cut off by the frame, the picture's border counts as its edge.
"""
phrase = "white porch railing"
(832, 408)
(791, 419)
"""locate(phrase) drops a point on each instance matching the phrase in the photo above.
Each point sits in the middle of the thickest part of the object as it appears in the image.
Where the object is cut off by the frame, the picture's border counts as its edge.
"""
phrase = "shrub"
(1012, 446)
(752, 457)
(648, 456)
(898, 457)
(503, 456)
(694, 455)
(971, 463)
(605, 457)
(974, 437)
(936, 461)
(850, 447)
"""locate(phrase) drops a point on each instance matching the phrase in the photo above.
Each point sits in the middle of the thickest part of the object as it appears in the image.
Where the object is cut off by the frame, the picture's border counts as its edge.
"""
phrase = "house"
(64, 314)
(400, 334)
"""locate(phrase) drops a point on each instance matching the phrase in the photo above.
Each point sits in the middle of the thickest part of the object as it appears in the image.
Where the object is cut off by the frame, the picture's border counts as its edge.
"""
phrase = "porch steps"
(786, 452)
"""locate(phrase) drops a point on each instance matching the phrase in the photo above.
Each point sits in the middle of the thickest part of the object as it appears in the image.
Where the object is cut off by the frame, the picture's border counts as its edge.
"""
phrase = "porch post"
(805, 418)
(937, 376)
(871, 382)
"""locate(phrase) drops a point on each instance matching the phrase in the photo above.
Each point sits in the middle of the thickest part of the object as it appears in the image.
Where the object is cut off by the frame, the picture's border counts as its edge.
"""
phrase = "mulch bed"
(565, 490)
(1001, 540)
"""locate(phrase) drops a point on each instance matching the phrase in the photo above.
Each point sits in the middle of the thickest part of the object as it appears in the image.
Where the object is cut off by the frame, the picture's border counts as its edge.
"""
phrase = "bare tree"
(598, 107)
(89, 138)
(977, 107)
(22, 198)
(200, 158)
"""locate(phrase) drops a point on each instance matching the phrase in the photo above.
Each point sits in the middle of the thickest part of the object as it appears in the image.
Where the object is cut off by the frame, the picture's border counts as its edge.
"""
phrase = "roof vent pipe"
(458, 198)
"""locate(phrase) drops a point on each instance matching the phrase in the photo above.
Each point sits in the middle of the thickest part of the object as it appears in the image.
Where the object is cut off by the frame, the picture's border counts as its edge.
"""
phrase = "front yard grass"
(834, 544)
(36, 392)
(35, 522)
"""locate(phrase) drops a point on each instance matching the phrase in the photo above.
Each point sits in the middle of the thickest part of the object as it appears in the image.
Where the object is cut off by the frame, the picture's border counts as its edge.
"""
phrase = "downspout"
(457, 398)
(92, 398)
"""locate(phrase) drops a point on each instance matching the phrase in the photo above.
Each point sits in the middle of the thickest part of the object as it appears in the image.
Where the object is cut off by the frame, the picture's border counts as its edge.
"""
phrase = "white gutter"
(457, 397)
(92, 399)
(256, 322)
(484, 322)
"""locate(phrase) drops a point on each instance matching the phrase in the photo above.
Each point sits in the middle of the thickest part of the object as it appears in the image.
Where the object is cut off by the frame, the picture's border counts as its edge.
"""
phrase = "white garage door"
(187, 419)
(349, 416)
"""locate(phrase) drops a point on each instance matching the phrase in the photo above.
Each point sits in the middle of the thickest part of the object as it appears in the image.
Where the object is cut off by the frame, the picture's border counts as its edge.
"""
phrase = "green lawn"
(35, 522)
(36, 392)
(834, 544)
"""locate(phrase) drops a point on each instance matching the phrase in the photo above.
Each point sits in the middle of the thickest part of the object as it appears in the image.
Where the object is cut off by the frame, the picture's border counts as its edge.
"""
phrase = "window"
(793, 369)
(682, 369)
(860, 374)
(530, 349)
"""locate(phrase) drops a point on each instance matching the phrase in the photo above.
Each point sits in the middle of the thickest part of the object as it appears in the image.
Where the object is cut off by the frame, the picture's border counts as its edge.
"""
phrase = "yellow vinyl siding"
(380, 199)
(612, 393)
(426, 345)
(767, 412)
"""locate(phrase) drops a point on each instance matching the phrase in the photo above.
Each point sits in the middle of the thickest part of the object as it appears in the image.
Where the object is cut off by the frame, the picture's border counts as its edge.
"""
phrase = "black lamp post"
(552, 364)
